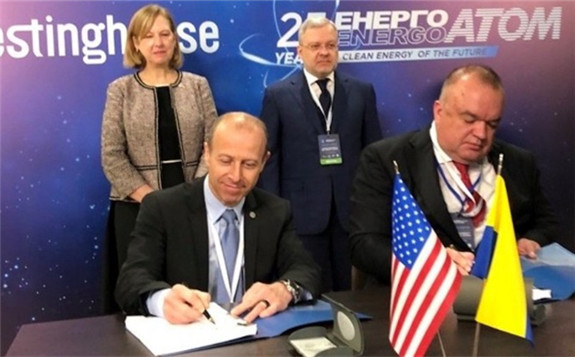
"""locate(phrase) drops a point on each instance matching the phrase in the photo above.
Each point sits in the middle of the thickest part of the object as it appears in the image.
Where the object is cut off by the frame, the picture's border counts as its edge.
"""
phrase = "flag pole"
(500, 165)
(441, 344)
(476, 339)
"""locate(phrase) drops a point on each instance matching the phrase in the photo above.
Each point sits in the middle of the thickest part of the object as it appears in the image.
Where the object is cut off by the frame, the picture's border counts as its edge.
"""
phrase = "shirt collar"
(311, 79)
(216, 208)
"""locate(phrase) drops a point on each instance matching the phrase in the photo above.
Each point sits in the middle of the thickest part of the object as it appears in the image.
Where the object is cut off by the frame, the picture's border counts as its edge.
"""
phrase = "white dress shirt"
(482, 175)
(214, 209)
(315, 91)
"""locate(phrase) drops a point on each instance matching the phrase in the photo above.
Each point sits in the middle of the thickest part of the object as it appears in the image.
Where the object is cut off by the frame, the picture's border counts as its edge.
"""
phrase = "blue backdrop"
(57, 57)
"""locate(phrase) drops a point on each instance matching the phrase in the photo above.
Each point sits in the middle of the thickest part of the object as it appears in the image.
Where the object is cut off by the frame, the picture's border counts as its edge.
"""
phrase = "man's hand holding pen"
(183, 305)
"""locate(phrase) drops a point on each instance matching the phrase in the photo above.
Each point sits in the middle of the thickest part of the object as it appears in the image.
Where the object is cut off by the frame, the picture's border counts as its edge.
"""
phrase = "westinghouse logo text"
(93, 41)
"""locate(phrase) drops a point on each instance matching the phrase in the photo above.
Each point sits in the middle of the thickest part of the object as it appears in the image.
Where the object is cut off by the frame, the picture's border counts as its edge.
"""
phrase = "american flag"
(425, 281)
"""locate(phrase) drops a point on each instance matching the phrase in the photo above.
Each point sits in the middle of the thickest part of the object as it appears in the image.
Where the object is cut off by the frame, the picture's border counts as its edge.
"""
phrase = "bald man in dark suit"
(174, 267)
(466, 117)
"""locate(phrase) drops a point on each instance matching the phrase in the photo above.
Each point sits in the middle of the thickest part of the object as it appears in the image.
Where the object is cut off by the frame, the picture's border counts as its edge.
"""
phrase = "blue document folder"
(553, 269)
(295, 316)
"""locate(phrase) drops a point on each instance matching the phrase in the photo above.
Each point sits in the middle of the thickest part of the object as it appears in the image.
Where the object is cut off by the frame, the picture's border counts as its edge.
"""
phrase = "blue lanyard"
(461, 200)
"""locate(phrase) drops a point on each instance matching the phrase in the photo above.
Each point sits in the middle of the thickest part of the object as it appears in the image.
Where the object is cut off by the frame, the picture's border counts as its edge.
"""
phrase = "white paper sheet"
(310, 347)
(540, 294)
(162, 338)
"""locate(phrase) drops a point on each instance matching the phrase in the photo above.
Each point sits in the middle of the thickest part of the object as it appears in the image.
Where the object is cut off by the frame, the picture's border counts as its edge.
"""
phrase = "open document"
(162, 337)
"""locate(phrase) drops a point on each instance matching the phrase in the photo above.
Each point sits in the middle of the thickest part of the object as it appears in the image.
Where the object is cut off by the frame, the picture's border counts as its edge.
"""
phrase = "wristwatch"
(294, 289)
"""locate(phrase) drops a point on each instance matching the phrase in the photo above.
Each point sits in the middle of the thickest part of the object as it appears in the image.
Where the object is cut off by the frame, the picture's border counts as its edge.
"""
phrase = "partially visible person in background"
(154, 125)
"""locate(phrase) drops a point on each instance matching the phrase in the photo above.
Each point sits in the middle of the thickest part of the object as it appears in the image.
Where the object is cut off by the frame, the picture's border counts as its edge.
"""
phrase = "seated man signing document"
(218, 239)
(450, 168)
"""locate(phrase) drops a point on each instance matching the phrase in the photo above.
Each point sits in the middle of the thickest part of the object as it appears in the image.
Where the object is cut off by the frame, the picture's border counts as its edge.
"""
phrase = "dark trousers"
(330, 250)
(121, 223)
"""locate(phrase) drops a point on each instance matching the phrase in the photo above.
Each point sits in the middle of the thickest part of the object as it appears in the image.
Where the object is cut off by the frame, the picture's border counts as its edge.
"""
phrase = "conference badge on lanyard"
(329, 149)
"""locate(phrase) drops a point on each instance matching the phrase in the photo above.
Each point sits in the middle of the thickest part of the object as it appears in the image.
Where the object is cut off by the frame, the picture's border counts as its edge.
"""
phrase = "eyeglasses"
(314, 47)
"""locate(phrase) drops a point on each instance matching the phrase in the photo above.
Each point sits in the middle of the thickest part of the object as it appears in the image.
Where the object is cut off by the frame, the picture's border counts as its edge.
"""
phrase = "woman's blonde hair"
(140, 24)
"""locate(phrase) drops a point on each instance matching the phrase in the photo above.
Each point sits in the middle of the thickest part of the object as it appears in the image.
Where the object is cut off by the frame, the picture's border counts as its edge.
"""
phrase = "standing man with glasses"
(318, 122)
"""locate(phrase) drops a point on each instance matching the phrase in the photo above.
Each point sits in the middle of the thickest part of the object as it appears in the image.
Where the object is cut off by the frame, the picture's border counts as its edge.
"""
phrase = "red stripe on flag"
(401, 282)
(441, 313)
(412, 290)
(444, 307)
(424, 306)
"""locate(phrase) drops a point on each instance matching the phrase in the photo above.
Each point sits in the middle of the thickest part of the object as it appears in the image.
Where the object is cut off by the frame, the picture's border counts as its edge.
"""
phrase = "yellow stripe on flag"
(503, 302)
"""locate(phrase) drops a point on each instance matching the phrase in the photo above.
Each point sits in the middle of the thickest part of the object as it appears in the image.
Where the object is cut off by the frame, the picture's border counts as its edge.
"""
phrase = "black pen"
(205, 312)
(208, 316)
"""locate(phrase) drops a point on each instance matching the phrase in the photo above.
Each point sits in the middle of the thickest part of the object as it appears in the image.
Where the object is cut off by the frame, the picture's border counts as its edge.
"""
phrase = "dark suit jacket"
(293, 125)
(370, 221)
(170, 245)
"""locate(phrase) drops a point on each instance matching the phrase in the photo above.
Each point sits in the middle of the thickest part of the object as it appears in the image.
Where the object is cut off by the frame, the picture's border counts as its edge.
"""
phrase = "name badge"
(464, 226)
(329, 149)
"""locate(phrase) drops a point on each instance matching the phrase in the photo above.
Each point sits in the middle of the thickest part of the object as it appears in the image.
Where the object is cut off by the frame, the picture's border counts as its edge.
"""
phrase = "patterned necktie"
(469, 204)
(325, 97)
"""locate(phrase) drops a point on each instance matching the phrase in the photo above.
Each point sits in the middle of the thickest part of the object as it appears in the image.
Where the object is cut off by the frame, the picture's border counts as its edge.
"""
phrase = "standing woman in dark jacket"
(154, 125)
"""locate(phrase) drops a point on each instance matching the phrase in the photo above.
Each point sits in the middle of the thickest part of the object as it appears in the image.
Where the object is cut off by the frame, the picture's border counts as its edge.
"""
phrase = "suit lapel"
(305, 100)
(199, 238)
(251, 235)
(426, 181)
(339, 108)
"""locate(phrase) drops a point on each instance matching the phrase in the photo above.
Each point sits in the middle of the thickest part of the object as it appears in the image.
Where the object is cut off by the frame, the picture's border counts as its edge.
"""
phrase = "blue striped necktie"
(229, 238)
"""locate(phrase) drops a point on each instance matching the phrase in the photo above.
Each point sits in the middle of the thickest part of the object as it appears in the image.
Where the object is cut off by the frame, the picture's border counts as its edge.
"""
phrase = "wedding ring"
(267, 303)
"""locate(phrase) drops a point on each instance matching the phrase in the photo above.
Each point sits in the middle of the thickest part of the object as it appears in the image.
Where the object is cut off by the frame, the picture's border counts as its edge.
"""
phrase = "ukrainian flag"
(503, 304)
